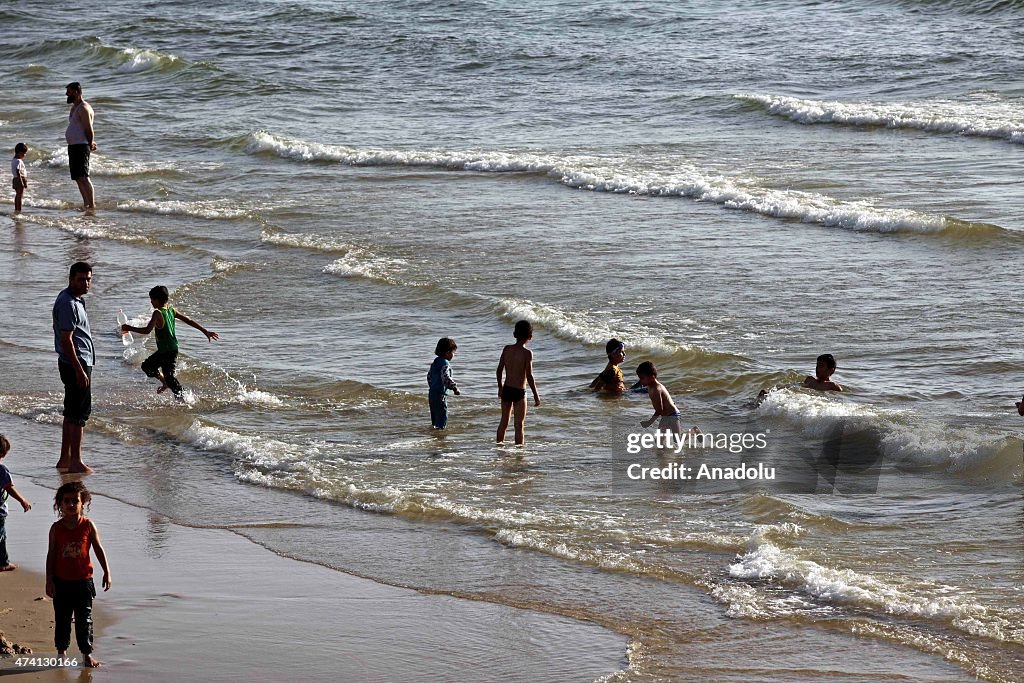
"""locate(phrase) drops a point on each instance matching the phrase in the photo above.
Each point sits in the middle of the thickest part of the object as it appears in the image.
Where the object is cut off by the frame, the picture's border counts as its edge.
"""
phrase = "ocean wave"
(999, 120)
(256, 451)
(134, 60)
(304, 241)
(92, 51)
(362, 263)
(261, 142)
(104, 166)
(621, 177)
(211, 209)
(557, 545)
(583, 328)
(765, 561)
(900, 436)
(80, 226)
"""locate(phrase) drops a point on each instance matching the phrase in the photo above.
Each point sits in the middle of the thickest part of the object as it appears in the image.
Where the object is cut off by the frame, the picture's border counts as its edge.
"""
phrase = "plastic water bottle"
(126, 337)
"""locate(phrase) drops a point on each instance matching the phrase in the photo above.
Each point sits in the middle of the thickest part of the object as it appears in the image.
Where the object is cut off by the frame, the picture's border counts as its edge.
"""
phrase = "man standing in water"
(81, 141)
(72, 340)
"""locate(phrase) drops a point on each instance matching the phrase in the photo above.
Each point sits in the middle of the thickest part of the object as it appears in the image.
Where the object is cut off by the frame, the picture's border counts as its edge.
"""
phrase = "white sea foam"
(84, 226)
(262, 141)
(584, 328)
(903, 436)
(304, 241)
(1002, 120)
(361, 263)
(765, 561)
(624, 176)
(257, 451)
(134, 60)
(555, 544)
(105, 166)
(221, 265)
(213, 209)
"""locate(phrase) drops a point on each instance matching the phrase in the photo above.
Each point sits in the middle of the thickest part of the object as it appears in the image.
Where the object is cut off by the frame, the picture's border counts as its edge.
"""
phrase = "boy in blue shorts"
(161, 363)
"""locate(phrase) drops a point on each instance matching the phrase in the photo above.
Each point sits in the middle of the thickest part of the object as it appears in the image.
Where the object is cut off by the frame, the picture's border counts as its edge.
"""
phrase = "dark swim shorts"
(77, 401)
(512, 394)
(78, 160)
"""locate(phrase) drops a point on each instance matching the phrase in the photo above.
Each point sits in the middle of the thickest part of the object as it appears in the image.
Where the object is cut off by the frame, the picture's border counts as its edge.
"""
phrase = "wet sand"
(207, 604)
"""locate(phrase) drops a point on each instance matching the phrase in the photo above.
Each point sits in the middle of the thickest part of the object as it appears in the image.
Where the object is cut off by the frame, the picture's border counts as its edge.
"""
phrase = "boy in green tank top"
(161, 363)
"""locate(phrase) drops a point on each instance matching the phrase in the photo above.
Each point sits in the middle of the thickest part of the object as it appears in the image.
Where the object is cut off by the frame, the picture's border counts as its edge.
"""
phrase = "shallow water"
(730, 190)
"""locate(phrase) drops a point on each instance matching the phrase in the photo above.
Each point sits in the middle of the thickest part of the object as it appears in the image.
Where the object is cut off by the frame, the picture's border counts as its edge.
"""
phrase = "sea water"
(730, 189)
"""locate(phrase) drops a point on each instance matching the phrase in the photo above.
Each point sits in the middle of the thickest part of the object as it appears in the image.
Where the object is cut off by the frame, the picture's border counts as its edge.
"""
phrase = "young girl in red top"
(69, 571)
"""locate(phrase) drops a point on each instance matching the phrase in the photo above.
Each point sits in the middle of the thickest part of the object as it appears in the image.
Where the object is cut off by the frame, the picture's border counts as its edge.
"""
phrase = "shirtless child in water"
(664, 407)
(517, 365)
(823, 370)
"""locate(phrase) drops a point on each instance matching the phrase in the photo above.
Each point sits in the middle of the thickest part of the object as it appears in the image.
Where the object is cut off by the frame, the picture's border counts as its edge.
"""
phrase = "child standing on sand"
(20, 174)
(161, 363)
(516, 363)
(69, 570)
(7, 489)
(439, 379)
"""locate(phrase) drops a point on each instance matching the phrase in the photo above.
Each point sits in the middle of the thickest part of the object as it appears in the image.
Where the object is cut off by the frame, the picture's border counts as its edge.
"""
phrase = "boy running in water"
(161, 363)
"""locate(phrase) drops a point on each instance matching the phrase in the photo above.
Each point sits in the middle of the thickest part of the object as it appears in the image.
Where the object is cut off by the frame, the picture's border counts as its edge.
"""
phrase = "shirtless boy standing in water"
(517, 365)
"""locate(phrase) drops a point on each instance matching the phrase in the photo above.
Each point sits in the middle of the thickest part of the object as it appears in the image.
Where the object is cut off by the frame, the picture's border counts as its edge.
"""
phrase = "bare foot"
(92, 662)
(63, 464)
(8, 567)
(80, 468)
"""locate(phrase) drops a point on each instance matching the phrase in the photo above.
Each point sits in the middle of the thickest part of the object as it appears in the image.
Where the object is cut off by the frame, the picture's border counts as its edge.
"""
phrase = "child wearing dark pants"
(161, 363)
(73, 598)
(439, 379)
(69, 570)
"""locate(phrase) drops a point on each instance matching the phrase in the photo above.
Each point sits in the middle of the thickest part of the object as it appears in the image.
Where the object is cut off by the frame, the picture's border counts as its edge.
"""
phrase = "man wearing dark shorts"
(81, 142)
(72, 340)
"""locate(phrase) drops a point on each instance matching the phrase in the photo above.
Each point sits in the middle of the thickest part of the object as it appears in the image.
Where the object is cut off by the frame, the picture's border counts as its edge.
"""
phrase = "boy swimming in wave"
(825, 366)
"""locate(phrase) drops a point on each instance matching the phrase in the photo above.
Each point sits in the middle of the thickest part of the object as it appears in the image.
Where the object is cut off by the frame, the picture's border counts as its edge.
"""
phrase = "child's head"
(20, 150)
(616, 351)
(523, 331)
(71, 498)
(5, 446)
(647, 372)
(159, 296)
(445, 346)
(826, 365)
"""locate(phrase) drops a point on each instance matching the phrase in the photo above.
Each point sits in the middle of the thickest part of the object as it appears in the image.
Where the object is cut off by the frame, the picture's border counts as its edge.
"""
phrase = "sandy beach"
(207, 604)
(25, 611)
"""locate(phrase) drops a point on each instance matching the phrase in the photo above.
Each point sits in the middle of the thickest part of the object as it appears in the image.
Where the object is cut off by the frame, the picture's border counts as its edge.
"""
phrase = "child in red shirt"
(69, 570)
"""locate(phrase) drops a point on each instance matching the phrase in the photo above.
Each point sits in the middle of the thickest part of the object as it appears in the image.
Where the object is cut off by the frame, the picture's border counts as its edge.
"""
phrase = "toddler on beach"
(161, 363)
(7, 489)
(20, 174)
(516, 363)
(69, 570)
(661, 400)
(439, 379)
(825, 366)
(611, 380)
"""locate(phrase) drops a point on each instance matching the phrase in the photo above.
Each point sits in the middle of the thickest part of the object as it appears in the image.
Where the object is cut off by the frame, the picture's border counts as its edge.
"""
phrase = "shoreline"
(234, 608)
